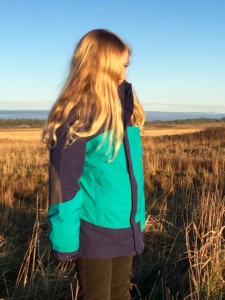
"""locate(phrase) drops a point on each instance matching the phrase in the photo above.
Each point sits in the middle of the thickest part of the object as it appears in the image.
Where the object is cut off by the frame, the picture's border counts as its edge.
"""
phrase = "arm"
(65, 197)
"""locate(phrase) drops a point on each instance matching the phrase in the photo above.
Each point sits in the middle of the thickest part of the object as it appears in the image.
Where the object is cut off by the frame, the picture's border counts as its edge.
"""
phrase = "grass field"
(34, 134)
(184, 255)
(171, 131)
(25, 134)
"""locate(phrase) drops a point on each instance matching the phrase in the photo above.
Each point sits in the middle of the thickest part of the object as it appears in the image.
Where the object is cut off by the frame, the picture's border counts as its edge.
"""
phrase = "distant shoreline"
(150, 115)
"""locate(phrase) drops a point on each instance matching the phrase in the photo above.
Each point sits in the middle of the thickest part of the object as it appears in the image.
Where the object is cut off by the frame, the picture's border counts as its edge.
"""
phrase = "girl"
(96, 193)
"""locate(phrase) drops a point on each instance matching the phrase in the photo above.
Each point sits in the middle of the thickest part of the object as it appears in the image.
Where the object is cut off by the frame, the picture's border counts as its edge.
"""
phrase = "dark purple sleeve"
(65, 170)
(66, 167)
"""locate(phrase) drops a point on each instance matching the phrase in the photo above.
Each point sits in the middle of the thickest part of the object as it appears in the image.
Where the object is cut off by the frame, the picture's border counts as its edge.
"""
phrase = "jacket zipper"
(131, 175)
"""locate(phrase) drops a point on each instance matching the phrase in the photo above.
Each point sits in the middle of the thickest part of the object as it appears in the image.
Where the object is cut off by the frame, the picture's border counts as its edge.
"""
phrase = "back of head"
(90, 92)
(99, 54)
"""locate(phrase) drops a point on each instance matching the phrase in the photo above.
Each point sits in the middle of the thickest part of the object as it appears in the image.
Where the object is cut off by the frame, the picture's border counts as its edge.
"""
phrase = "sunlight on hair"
(90, 96)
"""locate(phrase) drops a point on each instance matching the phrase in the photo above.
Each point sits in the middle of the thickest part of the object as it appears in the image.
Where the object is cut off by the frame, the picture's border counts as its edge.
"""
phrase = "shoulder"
(63, 129)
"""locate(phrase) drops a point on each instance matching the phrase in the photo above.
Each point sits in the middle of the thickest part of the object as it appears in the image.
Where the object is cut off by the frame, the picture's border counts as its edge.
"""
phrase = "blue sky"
(178, 50)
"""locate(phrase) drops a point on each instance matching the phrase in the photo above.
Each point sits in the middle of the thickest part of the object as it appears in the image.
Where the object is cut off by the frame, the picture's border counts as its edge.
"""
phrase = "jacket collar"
(127, 100)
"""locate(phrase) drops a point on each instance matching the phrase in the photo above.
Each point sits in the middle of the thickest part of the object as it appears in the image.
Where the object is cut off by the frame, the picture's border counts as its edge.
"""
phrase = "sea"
(150, 115)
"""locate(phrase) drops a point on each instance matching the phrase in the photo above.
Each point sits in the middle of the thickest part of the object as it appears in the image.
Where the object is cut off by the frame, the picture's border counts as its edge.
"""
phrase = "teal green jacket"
(96, 207)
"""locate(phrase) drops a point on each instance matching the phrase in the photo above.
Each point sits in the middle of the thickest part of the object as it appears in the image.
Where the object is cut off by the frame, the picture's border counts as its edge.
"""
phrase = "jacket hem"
(65, 256)
(101, 242)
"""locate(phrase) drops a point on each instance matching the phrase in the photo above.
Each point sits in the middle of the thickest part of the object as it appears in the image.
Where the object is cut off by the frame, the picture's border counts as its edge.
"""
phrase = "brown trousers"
(104, 279)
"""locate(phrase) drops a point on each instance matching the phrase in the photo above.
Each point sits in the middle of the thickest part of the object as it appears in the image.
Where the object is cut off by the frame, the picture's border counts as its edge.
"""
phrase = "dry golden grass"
(169, 131)
(185, 228)
(185, 193)
(28, 134)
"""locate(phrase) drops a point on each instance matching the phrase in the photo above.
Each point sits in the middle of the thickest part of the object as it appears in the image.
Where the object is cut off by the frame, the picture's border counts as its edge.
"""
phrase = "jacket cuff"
(65, 256)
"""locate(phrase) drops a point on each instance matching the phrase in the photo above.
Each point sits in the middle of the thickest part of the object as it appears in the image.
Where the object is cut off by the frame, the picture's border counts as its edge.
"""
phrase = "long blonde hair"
(91, 93)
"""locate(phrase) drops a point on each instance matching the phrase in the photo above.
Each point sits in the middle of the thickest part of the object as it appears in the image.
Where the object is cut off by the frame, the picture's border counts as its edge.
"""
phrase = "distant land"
(171, 116)
(150, 115)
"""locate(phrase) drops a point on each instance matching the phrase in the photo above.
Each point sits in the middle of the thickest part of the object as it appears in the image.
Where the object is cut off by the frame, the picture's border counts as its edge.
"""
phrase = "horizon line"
(156, 111)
